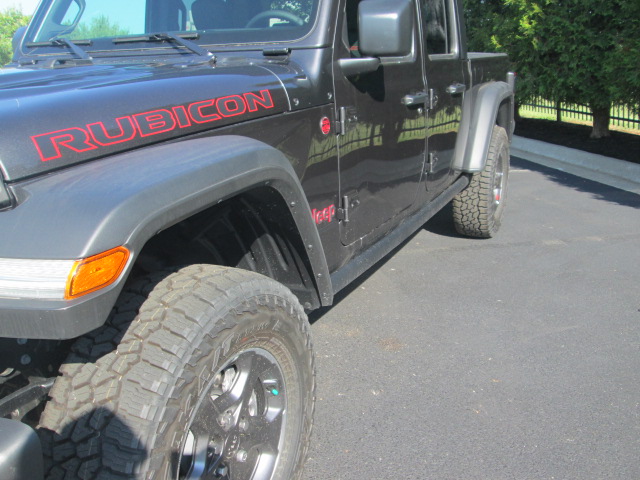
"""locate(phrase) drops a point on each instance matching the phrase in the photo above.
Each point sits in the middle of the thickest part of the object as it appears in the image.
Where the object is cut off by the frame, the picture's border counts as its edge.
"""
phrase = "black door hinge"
(342, 213)
(431, 163)
(346, 117)
(341, 123)
(433, 99)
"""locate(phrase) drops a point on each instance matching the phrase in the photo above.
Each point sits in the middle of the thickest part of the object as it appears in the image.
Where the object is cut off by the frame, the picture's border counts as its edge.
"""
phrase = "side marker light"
(96, 272)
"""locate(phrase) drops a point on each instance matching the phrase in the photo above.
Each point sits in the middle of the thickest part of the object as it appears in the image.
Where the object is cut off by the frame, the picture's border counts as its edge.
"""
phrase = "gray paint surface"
(147, 197)
(511, 358)
(22, 454)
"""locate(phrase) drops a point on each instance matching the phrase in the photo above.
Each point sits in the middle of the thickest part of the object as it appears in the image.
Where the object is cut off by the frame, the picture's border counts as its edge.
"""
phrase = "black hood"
(50, 118)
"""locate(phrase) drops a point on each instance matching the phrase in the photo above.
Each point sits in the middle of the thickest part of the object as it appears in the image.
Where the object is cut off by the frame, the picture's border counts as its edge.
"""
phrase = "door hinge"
(433, 99)
(431, 163)
(342, 213)
(346, 116)
(341, 124)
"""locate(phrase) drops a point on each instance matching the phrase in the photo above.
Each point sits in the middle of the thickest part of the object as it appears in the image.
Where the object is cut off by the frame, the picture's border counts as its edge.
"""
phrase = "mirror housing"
(17, 40)
(385, 27)
(356, 66)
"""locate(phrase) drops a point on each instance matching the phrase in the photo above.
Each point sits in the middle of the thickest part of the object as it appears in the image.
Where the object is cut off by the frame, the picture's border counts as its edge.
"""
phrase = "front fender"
(125, 200)
(480, 113)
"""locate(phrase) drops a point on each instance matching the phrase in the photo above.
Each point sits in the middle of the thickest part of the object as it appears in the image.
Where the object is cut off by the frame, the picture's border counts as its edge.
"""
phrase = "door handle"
(456, 88)
(419, 98)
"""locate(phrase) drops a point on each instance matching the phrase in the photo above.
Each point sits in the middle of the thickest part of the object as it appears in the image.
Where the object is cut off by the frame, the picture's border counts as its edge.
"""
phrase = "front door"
(382, 144)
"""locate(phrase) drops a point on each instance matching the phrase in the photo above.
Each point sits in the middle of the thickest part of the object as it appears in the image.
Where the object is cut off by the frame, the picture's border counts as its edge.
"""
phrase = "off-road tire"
(478, 210)
(205, 338)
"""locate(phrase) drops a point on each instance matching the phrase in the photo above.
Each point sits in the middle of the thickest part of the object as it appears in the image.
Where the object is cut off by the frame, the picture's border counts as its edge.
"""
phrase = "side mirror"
(17, 40)
(385, 27)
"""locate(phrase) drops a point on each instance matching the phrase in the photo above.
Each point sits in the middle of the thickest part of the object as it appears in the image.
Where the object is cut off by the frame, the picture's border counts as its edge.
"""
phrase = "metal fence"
(621, 116)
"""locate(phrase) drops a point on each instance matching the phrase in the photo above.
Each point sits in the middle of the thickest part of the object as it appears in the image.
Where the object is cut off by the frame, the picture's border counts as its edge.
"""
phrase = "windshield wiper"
(65, 42)
(169, 37)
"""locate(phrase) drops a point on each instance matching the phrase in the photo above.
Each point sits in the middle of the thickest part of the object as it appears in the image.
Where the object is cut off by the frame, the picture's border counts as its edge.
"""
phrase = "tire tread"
(472, 207)
(133, 361)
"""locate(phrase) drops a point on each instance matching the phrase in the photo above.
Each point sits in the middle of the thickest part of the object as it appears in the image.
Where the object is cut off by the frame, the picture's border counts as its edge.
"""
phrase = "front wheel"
(213, 379)
(478, 210)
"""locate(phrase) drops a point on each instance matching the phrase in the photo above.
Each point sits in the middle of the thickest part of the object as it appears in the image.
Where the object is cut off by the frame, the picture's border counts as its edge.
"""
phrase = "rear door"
(446, 87)
(382, 144)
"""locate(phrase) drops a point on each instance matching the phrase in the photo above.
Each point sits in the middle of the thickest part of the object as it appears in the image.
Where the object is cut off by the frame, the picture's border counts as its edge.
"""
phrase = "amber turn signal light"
(96, 272)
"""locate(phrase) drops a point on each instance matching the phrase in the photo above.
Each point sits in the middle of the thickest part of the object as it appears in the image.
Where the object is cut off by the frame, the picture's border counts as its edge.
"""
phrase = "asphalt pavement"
(516, 357)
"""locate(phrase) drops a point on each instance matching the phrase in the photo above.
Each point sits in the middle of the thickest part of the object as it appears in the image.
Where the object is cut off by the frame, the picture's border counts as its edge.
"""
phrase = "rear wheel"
(478, 210)
(213, 379)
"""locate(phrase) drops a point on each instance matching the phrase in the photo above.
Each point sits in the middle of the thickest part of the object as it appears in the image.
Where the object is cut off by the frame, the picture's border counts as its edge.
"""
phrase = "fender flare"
(480, 112)
(127, 199)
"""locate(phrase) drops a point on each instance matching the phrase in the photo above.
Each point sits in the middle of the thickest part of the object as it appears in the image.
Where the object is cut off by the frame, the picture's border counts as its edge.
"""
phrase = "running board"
(360, 264)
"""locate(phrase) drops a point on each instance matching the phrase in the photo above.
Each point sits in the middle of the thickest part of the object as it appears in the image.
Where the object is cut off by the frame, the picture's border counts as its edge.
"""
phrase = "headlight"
(43, 279)
(60, 279)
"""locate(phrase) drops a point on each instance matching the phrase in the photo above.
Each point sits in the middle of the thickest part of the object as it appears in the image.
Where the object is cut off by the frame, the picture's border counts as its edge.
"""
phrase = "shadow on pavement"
(598, 190)
(442, 224)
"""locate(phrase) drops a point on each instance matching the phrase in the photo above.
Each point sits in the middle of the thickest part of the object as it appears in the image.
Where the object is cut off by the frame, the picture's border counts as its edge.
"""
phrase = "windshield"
(209, 22)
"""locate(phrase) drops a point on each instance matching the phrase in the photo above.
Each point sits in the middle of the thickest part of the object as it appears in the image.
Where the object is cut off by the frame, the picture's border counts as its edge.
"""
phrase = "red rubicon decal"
(324, 215)
(54, 145)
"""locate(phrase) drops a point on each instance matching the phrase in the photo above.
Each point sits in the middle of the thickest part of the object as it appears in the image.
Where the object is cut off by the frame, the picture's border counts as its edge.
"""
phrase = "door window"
(439, 27)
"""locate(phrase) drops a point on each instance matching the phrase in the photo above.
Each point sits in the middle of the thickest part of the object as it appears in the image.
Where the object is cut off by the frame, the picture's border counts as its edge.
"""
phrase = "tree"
(10, 20)
(624, 63)
(483, 19)
(573, 51)
(100, 26)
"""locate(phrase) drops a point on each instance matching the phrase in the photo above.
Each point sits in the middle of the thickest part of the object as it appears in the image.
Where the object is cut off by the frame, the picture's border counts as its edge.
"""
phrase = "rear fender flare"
(481, 112)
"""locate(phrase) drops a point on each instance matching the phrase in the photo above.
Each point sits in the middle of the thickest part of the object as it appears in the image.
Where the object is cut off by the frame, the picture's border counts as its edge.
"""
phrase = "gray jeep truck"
(182, 182)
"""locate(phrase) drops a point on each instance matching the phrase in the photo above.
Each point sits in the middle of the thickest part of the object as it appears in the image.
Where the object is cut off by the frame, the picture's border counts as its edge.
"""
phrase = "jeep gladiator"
(182, 181)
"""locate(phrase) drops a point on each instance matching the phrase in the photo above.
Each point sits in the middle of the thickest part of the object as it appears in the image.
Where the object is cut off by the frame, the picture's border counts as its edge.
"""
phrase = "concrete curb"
(610, 171)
